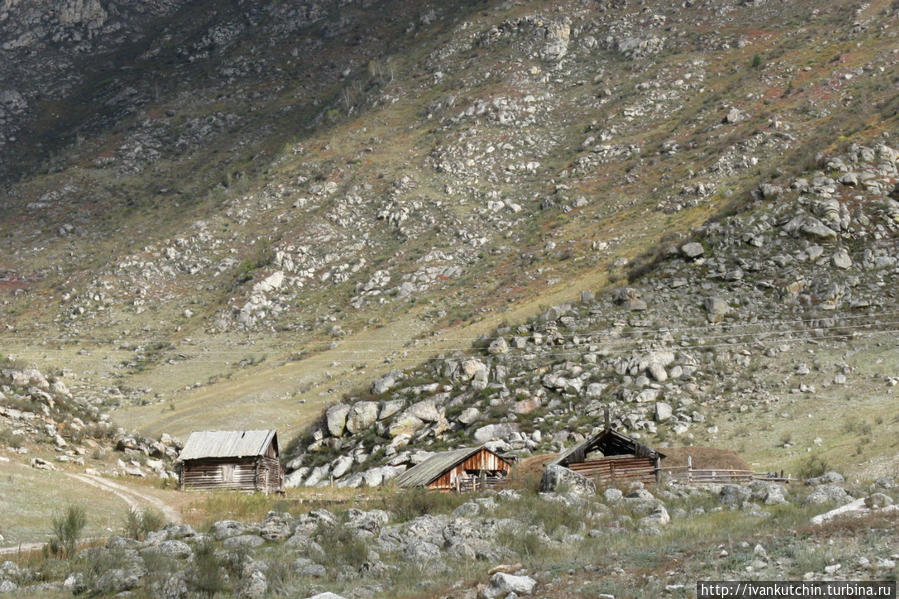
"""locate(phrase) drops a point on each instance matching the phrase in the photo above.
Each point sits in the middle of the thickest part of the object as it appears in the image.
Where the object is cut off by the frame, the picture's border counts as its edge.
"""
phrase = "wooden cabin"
(611, 456)
(465, 469)
(236, 460)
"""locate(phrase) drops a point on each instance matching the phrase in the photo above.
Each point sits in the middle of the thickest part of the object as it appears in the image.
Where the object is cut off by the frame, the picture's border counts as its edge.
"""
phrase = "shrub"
(67, 529)
(344, 546)
(756, 61)
(413, 503)
(813, 465)
(138, 523)
(207, 576)
(527, 545)
(534, 510)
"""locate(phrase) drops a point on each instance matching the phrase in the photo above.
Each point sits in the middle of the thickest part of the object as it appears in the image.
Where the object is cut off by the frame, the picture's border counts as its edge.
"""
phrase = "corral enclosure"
(610, 456)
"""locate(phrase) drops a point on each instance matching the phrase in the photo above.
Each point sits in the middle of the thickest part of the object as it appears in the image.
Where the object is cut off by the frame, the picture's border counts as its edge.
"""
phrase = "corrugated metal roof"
(226, 444)
(610, 442)
(434, 466)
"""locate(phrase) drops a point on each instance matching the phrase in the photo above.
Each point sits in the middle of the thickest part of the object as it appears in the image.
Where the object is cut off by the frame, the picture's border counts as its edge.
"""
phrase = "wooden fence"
(688, 474)
(471, 484)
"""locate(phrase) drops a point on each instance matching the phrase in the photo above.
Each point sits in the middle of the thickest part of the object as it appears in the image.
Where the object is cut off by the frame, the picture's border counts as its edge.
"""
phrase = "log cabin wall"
(240, 474)
(612, 468)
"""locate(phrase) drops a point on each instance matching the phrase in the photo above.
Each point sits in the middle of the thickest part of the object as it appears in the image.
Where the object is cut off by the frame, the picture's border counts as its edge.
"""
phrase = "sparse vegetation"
(67, 529)
(139, 522)
(813, 465)
(411, 503)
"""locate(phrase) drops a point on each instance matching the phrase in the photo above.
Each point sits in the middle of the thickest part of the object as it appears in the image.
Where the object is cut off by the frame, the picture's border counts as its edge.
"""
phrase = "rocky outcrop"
(558, 479)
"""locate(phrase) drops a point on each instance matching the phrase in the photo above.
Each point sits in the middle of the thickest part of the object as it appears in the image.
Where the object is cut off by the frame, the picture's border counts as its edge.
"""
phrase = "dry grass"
(704, 457)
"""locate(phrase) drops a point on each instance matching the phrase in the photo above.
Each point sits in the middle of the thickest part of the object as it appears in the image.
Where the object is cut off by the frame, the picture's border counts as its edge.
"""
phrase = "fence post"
(689, 468)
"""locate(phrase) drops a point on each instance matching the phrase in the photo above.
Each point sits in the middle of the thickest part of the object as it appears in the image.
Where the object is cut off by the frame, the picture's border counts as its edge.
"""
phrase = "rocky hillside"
(208, 206)
(42, 416)
(753, 311)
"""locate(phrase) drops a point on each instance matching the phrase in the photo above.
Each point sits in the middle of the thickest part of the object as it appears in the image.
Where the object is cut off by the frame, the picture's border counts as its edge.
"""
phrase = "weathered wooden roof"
(227, 444)
(610, 442)
(431, 469)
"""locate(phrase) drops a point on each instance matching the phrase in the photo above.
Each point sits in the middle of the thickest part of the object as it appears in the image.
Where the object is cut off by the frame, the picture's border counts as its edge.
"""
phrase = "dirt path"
(134, 499)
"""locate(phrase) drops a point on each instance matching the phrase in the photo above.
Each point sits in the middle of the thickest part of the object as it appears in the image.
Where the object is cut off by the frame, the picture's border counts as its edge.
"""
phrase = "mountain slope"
(262, 204)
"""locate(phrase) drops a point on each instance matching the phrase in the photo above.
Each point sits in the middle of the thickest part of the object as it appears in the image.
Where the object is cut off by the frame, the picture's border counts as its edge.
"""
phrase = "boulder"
(361, 416)
(468, 416)
(385, 383)
(809, 225)
(663, 411)
(425, 410)
(558, 477)
(498, 346)
(716, 308)
(504, 585)
(341, 466)
(824, 494)
(405, 424)
(335, 419)
(391, 407)
(841, 259)
(493, 432)
(692, 250)
(828, 478)
(734, 495)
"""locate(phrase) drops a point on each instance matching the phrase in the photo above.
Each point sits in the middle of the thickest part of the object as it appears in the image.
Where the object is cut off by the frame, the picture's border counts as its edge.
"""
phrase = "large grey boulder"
(558, 477)
(335, 419)
(342, 465)
(492, 432)
(361, 416)
(225, 529)
(404, 424)
(243, 542)
(824, 494)
(385, 383)
(425, 410)
(502, 585)
(828, 478)
(692, 250)
(468, 416)
(770, 493)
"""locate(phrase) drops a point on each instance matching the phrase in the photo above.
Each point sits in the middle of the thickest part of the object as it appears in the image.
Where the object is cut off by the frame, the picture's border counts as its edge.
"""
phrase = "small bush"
(813, 465)
(138, 523)
(527, 545)
(344, 547)
(413, 503)
(67, 529)
(756, 61)
(534, 510)
(207, 576)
